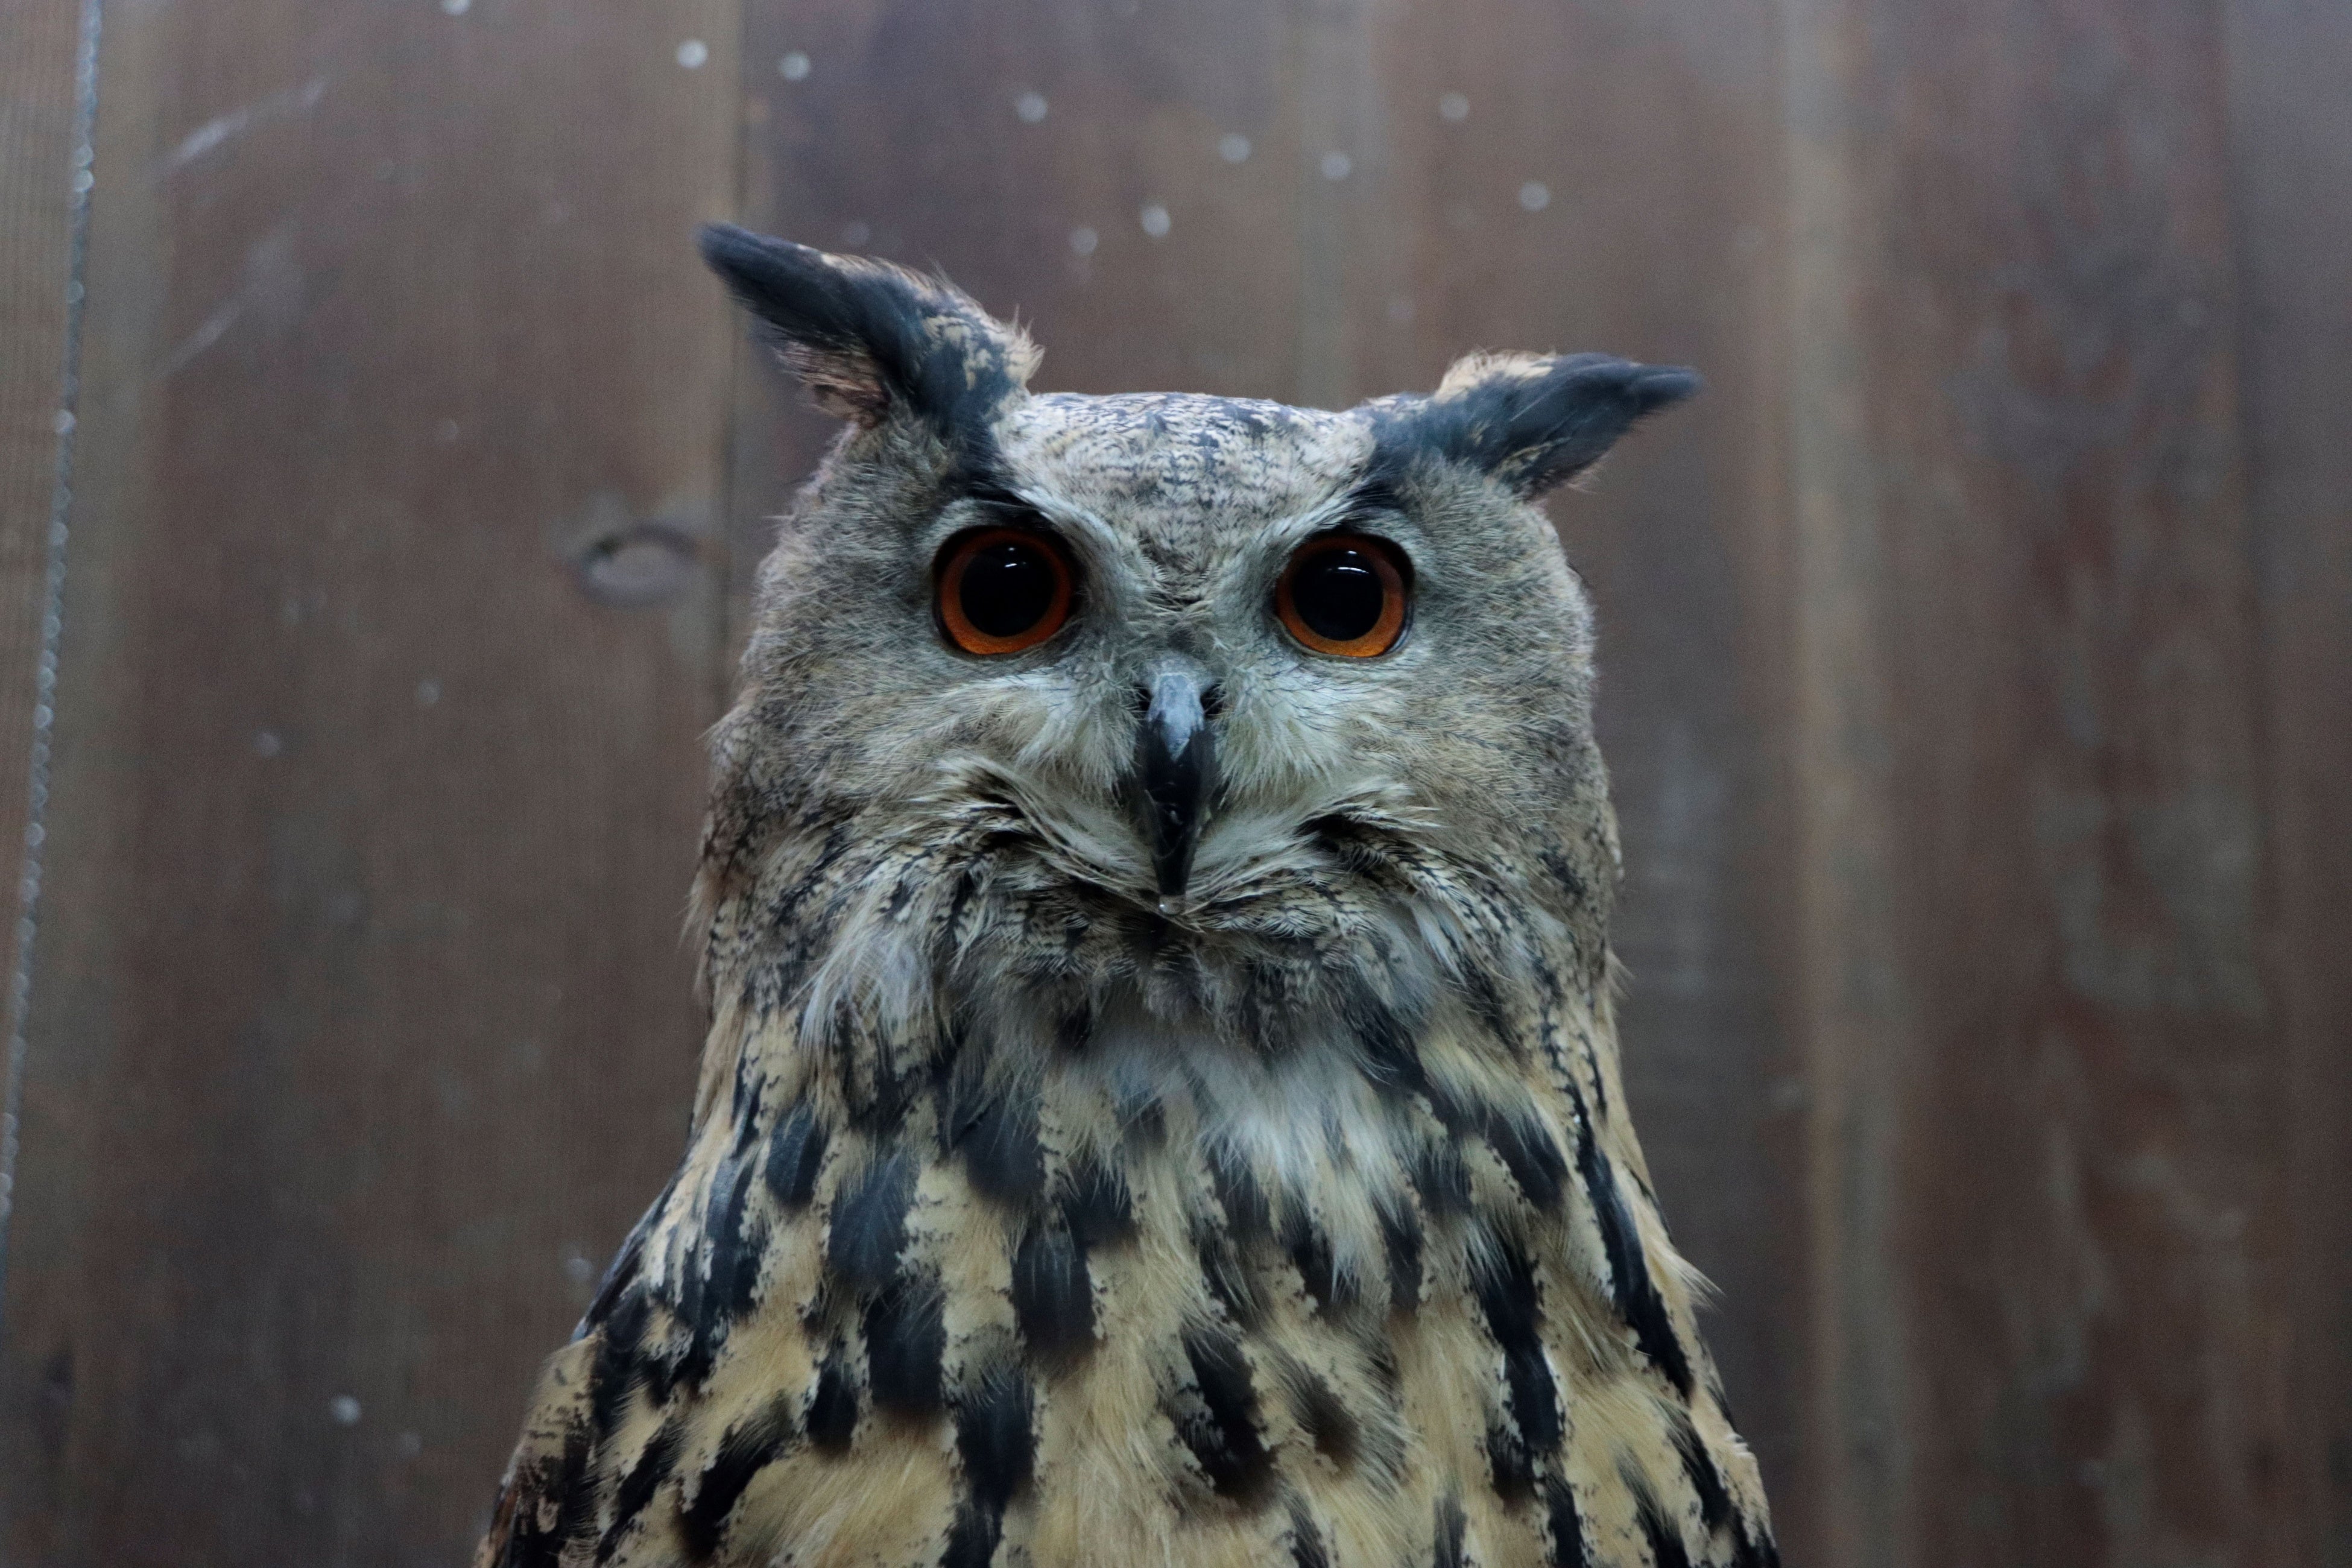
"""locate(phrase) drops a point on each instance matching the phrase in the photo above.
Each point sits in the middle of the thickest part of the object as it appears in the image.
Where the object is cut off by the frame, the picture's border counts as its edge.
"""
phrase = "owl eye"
(1001, 590)
(1344, 593)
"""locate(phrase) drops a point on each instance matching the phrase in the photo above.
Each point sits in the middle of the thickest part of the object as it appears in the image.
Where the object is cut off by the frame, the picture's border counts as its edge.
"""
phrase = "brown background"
(1978, 660)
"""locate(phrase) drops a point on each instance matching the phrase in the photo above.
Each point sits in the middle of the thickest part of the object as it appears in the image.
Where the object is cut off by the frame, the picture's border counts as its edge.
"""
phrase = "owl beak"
(1175, 767)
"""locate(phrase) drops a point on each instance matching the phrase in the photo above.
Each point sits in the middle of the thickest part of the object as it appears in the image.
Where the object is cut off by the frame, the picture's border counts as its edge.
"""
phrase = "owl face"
(1162, 707)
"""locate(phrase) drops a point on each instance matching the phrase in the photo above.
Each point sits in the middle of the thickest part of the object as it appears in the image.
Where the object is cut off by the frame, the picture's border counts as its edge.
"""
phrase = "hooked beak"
(1175, 768)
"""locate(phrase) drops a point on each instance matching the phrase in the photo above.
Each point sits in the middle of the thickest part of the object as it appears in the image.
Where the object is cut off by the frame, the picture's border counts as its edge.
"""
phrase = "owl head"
(1069, 716)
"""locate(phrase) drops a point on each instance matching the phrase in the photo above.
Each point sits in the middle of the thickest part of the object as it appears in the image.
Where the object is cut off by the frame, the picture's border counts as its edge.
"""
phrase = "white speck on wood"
(209, 331)
(219, 131)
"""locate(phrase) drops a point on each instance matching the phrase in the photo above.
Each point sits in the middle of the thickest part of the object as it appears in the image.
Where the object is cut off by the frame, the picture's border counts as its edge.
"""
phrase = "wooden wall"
(1977, 658)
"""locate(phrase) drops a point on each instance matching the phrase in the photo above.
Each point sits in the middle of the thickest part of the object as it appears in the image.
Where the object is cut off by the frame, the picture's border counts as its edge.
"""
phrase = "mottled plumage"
(1035, 1214)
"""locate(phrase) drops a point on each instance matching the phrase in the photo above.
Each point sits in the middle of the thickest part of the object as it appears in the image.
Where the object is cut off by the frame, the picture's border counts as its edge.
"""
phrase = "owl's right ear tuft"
(1529, 421)
(872, 340)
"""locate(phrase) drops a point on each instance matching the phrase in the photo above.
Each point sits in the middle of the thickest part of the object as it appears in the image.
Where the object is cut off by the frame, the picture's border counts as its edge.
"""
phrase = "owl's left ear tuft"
(1531, 421)
(872, 340)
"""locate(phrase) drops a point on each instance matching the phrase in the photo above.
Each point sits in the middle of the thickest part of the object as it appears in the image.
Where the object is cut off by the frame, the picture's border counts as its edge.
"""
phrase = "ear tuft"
(871, 339)
(1529, 420)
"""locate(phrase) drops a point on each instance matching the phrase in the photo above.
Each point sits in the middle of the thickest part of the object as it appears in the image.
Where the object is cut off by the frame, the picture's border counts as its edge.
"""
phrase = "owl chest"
(1174, 1355)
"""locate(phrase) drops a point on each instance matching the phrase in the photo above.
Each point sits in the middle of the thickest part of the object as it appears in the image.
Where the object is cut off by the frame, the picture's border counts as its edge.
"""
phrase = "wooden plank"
(39, 42)
(2291, 159)
(2054, 1185)
(1562, 209)
(360, 1029)
(1973, 665)
(1850, 1011)
(1278, 277)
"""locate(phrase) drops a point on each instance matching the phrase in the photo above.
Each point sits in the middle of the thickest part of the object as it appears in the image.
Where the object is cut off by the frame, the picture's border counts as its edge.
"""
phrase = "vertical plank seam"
(729, 569)
(83, 179)
(2318, 1351)
(1854, 994)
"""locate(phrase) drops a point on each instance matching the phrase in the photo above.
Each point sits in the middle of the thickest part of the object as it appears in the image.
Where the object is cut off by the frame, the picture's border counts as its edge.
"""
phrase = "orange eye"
(1001, 590)
(1344, 593)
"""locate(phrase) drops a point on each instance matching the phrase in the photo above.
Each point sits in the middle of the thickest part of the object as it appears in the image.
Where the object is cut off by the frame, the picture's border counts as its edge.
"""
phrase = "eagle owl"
(1161, 1102)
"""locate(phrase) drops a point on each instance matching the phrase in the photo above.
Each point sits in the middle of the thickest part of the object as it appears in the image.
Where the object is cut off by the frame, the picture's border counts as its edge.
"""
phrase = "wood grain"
(1974, 664)
(39, 42)
(2291, 160)
(361, 1031)
(2054, 1183)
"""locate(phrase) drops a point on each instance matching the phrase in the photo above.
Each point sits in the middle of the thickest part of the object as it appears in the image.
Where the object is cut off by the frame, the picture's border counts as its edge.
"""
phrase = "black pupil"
(1338, 595)
(1007, 588)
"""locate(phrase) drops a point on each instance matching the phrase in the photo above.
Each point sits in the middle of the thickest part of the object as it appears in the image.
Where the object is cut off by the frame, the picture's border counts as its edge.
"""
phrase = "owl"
(1162, 1102)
